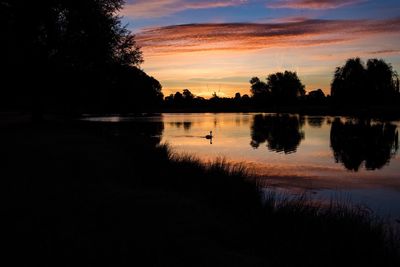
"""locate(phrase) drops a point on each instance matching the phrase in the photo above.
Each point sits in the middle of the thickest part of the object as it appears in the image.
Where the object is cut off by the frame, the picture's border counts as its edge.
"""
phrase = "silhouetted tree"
(355, 142)
(246, 97)
(357, 84)
(281, 132)
(258, 87)
(259, 91)
(182, 100)
(316, 96)
(178, 98)
(285, 87)
(349, 82)
(62, 54)
(134, 90)
(382, 81)
(169, 100)
(215, 99)
(238, 97)
(199, 99)
(187, 95)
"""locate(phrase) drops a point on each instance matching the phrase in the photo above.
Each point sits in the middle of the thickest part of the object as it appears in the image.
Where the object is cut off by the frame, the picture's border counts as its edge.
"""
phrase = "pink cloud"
(251, 36)
(312, 4)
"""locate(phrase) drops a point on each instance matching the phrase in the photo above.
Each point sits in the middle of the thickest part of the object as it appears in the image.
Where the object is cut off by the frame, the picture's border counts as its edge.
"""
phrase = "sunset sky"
(217, 46)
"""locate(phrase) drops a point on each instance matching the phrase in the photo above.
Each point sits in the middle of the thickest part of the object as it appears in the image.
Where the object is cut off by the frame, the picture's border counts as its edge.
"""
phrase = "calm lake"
(325, 156)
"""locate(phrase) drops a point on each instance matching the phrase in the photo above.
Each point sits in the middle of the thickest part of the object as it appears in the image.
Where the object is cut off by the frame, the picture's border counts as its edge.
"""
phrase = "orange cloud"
(160, 8)
(251, 36)
(313, 4)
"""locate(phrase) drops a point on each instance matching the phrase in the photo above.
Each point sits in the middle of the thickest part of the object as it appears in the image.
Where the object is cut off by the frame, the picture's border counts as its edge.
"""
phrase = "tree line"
(354, 85)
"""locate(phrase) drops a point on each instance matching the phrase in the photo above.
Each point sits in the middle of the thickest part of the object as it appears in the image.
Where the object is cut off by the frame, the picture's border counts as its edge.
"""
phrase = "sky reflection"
(310, 158)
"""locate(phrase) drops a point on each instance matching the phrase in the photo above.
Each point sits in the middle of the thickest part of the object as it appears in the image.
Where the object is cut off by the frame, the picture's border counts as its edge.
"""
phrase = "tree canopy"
(69, 53)
(68, 34)
(258, 87)
(356, 83)
(281, 87)
(285, 86)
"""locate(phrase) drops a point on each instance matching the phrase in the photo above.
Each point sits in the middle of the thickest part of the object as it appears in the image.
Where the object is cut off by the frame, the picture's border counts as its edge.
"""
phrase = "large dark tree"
(132, 90)
(382, 81)
(258, 87)
(68, 55)
(61, 34)
(349, 81)
(285, 87)
(280, 88)
(259, 91)
(357, 84)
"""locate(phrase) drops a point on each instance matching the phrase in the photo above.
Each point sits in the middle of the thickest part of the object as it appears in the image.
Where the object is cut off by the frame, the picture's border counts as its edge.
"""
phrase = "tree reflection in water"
(281, 132)
(355, 142)
(316, 122)
(142, 132)
(187, 125)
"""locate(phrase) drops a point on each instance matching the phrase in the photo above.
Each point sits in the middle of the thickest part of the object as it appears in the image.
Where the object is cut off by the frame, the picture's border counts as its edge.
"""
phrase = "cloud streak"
(252, 36)
(386, 52)
(161, 8)
(312, 4)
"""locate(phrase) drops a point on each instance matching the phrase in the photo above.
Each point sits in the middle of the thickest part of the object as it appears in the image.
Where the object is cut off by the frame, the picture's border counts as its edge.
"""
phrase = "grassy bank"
(107, 194)
(285, 230)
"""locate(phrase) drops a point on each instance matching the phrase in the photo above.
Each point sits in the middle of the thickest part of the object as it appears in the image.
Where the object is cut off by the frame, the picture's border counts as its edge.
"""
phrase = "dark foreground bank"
(97, 194)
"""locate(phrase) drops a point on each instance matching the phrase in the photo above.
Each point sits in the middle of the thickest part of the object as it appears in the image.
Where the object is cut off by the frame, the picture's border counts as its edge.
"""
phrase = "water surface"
(327, 156)
(356, 159)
